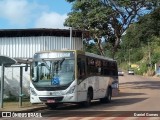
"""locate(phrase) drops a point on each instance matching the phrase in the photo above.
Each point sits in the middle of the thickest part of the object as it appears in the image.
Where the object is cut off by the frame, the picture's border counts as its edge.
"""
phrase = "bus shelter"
(6, 61)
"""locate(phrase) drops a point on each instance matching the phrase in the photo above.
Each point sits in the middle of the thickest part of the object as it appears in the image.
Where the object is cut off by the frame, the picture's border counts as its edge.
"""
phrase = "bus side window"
(81, 68)
(106, 68)
(98, 66)
(91, 68)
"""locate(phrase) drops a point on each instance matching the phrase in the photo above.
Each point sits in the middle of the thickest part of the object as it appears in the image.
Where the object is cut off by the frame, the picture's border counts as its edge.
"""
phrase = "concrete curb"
(32, 109)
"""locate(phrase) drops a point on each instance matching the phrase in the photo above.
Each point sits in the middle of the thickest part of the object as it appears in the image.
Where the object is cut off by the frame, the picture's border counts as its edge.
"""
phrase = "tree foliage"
(142, 38)
(148, 26)
(143, 31)
(108, 18)
(93, 16)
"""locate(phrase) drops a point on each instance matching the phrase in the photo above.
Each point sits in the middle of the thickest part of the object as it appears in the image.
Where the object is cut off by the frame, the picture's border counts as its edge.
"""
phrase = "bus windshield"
(53, 72)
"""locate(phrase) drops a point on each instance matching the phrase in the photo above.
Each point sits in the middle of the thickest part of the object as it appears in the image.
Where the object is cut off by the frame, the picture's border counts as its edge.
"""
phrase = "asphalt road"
(137, 93)
(139, 97)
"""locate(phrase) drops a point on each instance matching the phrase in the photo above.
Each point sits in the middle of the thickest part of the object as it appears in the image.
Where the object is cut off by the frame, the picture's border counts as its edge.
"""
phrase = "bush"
(136, 55)
(155, 58)
(143, 69)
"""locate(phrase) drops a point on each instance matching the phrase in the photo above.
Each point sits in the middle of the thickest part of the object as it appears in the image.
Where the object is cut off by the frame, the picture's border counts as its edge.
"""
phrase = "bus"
(72, 76)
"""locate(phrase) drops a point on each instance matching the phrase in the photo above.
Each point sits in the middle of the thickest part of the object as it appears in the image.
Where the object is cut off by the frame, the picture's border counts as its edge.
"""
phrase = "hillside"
(141, 44)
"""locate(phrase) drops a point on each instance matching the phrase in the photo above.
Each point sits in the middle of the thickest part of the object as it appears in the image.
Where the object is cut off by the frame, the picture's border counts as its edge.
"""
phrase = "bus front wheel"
(51, 106)
(87, 103)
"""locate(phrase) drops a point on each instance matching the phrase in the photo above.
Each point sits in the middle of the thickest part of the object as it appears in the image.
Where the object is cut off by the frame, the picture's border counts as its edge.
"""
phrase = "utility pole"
(129, 58)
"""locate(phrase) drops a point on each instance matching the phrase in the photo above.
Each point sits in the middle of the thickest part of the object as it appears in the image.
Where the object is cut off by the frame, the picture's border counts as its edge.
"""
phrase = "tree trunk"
(117, 41)
(99, 45)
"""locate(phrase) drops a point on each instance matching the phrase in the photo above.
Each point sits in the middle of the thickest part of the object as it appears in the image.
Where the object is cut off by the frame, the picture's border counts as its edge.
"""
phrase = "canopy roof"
(7, 60)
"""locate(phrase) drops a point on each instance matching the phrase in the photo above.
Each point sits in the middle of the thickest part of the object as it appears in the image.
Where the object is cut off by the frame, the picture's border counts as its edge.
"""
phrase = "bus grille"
(57, 99)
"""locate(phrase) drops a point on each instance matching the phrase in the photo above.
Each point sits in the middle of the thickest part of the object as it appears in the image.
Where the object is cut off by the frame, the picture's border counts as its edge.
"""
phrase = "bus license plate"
(50, 101)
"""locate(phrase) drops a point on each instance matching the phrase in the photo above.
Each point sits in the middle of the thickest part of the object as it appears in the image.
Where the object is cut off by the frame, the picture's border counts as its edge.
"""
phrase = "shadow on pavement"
(123, 94)
(95, 109)
(142, 84)
(96, 105)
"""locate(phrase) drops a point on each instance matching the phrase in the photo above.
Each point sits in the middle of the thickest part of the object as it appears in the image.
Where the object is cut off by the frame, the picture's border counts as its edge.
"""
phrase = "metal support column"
(20, 87)
(70, 39)
(2, 85)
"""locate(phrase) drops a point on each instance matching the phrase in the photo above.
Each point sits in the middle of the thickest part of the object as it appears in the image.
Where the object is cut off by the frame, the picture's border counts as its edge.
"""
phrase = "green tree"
(143, 41)
(107, 18)
(142, 33)
(148, 26)
(92, 16)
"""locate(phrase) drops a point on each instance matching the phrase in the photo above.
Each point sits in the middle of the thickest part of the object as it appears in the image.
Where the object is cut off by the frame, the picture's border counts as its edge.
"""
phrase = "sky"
(24, 14)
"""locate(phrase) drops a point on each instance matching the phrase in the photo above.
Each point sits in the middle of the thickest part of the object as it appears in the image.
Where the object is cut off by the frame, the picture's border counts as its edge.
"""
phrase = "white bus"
(72, 76)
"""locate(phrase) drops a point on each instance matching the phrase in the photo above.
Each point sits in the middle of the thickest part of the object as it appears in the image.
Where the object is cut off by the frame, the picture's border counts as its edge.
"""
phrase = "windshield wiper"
(58, 64)
(62, 61)
(46, 64)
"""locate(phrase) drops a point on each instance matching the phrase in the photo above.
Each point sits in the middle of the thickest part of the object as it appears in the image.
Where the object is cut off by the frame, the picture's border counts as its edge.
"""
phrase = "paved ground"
(27, 106)
(136, 93)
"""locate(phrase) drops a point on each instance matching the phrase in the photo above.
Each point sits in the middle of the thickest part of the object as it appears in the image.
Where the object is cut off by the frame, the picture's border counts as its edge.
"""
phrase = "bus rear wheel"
(108, 97)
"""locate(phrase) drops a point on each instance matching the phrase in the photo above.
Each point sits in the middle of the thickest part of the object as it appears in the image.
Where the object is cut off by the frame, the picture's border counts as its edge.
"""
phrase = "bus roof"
(98, 56)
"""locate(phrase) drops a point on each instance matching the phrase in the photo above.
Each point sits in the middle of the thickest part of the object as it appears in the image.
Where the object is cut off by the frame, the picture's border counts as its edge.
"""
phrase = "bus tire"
(51, 106)
(107, 98)
(109, 95)
(87, 103)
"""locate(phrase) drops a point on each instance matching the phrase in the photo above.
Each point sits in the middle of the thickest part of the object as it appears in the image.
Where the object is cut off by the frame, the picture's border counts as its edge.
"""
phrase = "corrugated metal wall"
(25, 47)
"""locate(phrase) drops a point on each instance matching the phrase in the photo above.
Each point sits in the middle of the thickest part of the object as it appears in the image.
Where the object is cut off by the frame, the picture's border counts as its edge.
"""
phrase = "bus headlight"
(33, 92)
(71, 90)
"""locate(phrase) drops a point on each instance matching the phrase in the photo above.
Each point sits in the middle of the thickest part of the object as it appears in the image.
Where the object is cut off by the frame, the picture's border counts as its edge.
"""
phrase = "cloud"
(29, 13)
(19, 12)
(51, 20)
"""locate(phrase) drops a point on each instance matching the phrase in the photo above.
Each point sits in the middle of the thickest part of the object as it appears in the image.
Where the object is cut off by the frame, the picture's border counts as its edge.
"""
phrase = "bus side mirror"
(26, 67)
(35, 77)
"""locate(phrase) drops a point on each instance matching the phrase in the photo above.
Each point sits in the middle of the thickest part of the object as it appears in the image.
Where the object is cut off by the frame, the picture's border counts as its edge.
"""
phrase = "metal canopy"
(23, 61)
(6, 60)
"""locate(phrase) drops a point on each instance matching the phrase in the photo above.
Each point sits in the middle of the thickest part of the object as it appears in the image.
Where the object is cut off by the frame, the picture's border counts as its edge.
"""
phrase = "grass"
(15, 104)
(13, 98)
(12, 103)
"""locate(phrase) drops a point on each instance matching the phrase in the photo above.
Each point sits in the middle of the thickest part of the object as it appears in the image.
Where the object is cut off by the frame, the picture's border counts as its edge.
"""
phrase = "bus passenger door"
(81, 78)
